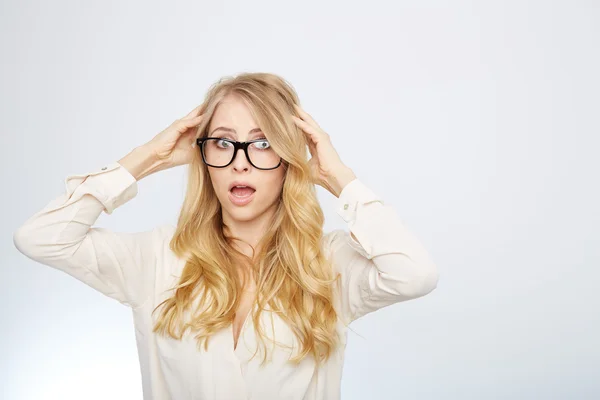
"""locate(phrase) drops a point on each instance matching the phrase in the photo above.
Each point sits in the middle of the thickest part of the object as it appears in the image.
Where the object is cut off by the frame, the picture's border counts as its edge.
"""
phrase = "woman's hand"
(328, 170)
(175, 145)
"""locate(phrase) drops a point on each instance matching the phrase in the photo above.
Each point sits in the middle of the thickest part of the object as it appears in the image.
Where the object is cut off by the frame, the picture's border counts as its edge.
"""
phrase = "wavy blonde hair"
(293, 277)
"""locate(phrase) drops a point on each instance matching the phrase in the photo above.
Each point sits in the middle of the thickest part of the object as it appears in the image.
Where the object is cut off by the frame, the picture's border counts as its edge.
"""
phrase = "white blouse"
(386, 265)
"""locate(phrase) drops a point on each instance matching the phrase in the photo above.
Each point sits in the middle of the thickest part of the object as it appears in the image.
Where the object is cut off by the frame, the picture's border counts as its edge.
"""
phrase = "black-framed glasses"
(220, 152)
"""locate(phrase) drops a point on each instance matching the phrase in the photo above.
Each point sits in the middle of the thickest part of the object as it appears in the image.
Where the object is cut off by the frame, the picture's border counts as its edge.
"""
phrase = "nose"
(240, 162)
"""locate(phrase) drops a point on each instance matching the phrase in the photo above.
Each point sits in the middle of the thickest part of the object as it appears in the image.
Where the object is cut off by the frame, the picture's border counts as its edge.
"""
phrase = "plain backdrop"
(478, 121)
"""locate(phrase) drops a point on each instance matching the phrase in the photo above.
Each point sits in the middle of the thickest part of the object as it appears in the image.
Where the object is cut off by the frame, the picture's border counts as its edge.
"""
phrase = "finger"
(314, 134)
(306, 116)
(194, 112)
(193, 121)
(312, 148)
(184, 124)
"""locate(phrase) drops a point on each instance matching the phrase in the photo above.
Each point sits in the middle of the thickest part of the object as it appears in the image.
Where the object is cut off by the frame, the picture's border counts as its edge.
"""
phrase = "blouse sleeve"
(119, 265)
(384, 263)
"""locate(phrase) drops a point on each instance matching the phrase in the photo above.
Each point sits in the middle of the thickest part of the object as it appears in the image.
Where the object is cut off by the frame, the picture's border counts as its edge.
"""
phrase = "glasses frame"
(236, 146)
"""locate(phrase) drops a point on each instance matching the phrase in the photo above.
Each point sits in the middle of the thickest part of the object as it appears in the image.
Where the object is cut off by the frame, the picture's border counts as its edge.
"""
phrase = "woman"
(245, 297)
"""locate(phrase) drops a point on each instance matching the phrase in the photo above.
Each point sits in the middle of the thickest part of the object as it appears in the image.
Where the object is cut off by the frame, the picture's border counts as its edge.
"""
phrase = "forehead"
(232, 112)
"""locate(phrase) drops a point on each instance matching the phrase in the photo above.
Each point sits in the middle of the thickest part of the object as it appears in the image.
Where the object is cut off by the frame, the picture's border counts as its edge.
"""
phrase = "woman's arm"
(61, 235)
(120, 265)
(380, 261)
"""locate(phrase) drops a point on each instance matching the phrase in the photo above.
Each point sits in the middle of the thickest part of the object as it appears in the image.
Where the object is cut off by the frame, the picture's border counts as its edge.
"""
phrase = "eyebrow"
(222, 128)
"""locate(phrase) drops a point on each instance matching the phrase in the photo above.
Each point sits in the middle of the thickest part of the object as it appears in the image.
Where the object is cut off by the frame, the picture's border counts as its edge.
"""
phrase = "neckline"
(236, 343)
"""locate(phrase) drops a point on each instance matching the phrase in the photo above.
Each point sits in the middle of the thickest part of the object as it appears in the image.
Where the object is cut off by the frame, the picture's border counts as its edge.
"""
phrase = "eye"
(223, 143)
(262, 144)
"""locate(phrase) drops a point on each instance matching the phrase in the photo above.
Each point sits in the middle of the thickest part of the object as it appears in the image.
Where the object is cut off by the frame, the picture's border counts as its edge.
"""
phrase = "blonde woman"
(246, 297)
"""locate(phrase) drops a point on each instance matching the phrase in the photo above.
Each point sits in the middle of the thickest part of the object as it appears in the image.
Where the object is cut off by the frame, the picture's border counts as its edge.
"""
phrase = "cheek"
(217, 183)
(273, 186)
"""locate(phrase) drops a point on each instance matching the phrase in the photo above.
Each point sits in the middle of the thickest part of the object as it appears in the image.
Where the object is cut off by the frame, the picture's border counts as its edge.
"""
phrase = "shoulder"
(165, 231)
(341, 248)
(160, 238)
(336, 243)
(339, 240)
(168, 264)
(160, 233)
(330, 240)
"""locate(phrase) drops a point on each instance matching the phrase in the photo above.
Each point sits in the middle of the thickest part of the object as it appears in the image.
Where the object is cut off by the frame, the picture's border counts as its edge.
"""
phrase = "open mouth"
(242, 191)
(241, 195)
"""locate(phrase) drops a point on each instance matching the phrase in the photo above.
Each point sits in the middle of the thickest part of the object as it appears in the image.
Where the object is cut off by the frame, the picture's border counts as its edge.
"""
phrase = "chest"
(242, 314)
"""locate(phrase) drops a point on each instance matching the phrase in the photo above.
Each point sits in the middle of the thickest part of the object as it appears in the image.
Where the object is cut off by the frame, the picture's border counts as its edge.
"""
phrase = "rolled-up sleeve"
(384, 263)
(61, 235)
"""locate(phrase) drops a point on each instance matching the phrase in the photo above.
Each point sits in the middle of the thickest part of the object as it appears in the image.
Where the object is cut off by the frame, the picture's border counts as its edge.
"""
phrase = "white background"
(477, 120)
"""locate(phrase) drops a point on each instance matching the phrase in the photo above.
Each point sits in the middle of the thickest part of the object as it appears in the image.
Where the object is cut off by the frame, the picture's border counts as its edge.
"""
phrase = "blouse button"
(346, 206)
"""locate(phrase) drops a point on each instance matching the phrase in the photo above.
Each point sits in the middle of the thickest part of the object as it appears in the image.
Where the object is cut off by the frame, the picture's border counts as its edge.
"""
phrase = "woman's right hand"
(175, 144)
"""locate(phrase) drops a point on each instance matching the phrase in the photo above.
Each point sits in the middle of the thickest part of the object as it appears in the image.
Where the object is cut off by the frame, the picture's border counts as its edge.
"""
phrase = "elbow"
(421, 281)
(43, 245)
(427, 282)
(22, 241)
(425, 278)
(32, 243)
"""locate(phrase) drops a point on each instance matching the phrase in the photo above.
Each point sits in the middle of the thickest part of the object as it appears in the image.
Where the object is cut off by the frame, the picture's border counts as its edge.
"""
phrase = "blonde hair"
(293, 276)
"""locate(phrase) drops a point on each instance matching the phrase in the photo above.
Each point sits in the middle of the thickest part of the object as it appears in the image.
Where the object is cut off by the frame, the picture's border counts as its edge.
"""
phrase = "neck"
(249, 231)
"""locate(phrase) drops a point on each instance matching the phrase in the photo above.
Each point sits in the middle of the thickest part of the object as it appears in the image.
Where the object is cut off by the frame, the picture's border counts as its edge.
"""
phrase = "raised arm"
(380, 261)
(61, 234)
(119, 265)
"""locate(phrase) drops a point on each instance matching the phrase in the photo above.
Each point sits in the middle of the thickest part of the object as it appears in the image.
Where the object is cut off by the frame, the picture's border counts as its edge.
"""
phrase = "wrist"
(141, 162)
(341, 179)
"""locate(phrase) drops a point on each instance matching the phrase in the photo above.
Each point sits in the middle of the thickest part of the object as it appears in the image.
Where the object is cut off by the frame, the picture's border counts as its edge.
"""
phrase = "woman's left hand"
(327, 169)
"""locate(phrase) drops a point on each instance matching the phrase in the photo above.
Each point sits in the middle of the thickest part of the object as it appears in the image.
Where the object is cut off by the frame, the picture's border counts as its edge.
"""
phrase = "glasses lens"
(219, 152)
(262, 154)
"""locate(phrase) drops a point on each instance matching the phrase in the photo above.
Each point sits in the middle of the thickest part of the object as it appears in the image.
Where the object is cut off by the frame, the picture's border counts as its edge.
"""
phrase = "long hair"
(292, 275)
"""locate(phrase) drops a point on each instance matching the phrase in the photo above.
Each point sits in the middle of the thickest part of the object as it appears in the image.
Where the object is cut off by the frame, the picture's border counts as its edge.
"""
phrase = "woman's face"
(232, 120)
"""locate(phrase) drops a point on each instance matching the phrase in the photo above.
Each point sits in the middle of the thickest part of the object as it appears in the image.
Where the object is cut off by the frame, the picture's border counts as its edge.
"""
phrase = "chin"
(242, 214)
